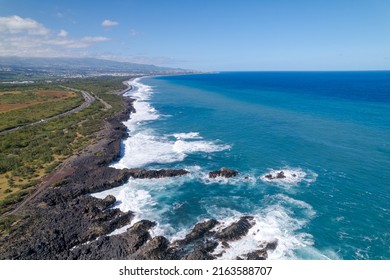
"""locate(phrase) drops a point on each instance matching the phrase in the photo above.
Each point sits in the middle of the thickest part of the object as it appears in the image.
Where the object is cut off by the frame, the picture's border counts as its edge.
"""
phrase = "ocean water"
(328, 131)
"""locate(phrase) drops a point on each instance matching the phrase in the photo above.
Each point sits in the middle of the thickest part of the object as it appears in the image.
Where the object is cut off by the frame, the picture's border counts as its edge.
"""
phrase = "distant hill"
(17, 68)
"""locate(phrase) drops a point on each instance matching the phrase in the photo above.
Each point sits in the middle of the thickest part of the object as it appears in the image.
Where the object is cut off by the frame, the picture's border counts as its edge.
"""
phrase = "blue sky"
(204, 34)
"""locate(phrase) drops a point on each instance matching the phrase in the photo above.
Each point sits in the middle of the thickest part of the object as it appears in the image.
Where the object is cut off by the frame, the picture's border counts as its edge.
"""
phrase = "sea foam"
(292, 177)
(273, 223)
(144, 146)
(277, 218)
(140, 197)
(189, 135)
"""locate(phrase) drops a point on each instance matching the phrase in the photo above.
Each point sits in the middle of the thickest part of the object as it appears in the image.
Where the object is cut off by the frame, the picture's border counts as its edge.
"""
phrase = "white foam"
(293, 176)
(139, 91)
(272, 223)
(189, 135)
(242, 179)
(135, 196)
(275, 221)
(144, 113)
(143, 110)
(143, 148)
(181, 146)
(129, 197)
(120, 230)
(286, 201)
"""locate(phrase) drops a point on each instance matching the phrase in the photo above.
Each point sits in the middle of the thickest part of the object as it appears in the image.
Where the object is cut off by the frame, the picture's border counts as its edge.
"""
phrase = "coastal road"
(105, 104)
(129, 87)
(88, 100)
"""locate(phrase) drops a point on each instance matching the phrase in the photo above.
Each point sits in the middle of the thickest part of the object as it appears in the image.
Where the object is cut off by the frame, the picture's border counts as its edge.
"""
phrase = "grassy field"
(18, 99)
(33, 151)
(24, 104)
(103, 87)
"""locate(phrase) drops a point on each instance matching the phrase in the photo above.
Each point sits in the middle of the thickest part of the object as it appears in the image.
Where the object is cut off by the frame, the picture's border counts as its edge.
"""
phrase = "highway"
(88, 100)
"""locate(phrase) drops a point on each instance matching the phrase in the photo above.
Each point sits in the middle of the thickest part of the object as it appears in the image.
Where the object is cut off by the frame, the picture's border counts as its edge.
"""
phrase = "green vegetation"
(103, 87)
(24, 104)
(31, 152)
(6, 223)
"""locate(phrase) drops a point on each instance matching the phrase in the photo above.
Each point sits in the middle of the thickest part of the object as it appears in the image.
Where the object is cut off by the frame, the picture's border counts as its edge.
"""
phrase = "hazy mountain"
(33, 67)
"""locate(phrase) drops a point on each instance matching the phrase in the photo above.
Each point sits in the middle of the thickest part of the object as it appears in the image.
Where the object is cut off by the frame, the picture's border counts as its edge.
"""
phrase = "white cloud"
(45, 47)
(83, 42)
(78, 43)
(27, 46)
(15, 24)
(62, 33)
(109, 23)
(18, 37)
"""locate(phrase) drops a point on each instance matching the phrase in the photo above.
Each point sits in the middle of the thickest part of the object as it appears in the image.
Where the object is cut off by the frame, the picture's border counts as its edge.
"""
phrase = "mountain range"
(19, 68)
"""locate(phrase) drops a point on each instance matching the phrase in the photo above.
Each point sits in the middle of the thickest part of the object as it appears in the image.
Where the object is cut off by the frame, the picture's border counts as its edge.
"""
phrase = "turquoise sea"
(329, 132)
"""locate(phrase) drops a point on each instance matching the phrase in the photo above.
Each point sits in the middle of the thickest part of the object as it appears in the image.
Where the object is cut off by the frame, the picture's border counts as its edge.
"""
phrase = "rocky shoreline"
(63, 221)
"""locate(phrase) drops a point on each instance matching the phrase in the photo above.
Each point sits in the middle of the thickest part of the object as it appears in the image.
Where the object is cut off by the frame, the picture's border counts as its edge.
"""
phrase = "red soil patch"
(54, 95)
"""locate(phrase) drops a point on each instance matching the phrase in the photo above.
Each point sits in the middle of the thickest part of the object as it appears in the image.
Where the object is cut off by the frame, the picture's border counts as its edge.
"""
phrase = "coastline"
(62, 205)
(63, 221)
(128, 85)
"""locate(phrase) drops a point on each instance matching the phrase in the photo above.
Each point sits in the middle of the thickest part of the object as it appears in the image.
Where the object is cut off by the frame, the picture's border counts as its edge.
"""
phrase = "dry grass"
(36, 97)
(56, 93)
(10, 92)
(4, 186)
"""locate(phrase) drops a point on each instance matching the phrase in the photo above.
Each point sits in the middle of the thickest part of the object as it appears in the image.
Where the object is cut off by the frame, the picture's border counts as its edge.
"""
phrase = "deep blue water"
(330, 129)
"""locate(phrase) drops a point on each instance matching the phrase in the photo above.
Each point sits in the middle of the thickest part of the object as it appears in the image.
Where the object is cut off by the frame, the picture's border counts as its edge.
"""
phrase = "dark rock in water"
(115, 247)
(138, 234)
(56, 229)
(294, 175)
(198, 232)
(197, 245)
(271, 245)
(262, 253)
(109, 200)
(236, 230)
(61, 220)
(280, 175)
(219, 254)
(202, 251)
(151, 174)
(223, 172)
(257, 255)
(210, 245)
(155, 249)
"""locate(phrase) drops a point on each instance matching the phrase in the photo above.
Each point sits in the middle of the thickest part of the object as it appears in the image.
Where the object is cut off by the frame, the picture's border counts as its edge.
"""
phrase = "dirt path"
(62, 171)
